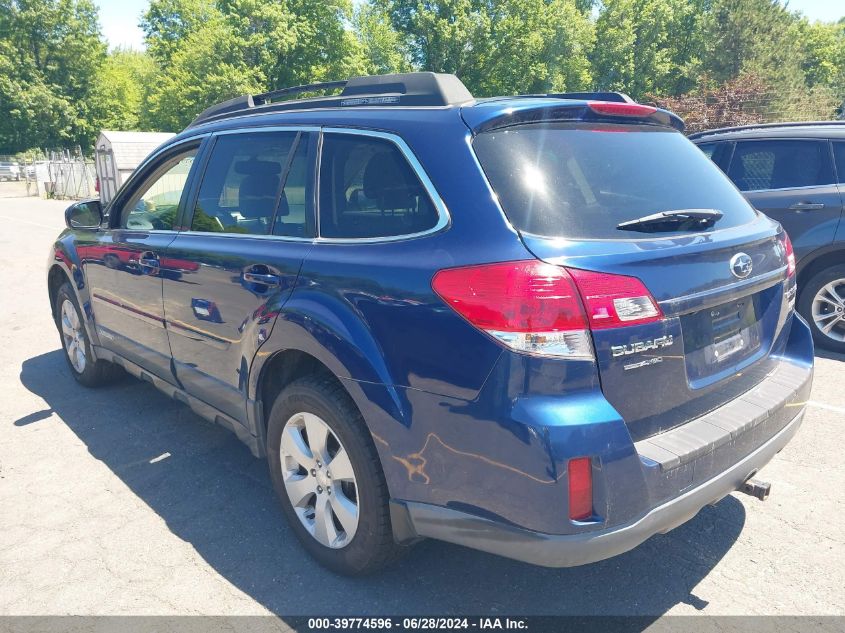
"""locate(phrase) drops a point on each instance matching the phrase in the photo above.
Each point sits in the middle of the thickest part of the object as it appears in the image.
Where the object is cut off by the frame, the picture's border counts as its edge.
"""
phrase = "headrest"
(387, 179)
(255, 167)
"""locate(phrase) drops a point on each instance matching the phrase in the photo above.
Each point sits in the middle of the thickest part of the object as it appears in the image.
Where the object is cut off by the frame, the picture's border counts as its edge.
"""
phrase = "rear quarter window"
(581, 180)
(780, 164)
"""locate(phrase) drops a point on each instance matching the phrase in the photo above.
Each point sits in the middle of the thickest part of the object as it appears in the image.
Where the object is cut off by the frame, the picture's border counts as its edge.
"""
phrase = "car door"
(124, 264)
(250, 225)
(839, 163)
(792, 181)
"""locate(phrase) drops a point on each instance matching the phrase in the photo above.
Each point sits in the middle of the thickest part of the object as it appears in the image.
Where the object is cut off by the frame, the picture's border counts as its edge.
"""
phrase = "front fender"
(65, 257)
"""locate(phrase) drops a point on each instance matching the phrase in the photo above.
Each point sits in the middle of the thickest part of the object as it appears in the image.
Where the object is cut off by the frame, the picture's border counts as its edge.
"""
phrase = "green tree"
(380, 42)
(758, 36)
(119, 96)
(50, 51)
(648, 46)
(497, 46)
(243, 46)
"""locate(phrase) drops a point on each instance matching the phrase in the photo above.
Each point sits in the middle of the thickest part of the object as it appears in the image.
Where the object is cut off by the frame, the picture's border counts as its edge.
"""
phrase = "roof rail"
(405, 89)
(754, 126)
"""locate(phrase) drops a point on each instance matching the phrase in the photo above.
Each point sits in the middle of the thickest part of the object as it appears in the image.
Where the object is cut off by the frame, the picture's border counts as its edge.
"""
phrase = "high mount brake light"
(611, 108)
(538, 308)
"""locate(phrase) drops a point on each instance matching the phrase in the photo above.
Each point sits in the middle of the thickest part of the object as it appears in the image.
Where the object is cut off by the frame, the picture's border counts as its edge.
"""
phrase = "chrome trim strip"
(715, 295)
(251, 236)
(443, 220)
(269, 128)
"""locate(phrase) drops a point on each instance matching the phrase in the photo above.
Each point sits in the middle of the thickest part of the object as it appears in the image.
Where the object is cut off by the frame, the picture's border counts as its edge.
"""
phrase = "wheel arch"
(834, 256)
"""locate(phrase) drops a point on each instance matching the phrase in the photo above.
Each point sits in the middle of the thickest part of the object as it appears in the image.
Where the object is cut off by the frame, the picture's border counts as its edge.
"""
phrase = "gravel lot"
(121, 501)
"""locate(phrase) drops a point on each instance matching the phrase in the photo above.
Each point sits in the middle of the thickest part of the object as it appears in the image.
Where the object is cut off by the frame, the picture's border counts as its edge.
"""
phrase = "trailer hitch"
(755, 488)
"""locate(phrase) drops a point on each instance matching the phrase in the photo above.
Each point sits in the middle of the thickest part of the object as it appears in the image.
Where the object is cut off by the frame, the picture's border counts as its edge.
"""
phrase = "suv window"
(368, 189)
(780, 164)
(156, 202)
(580, 180)
(839, 157)
(719, 153)
(242, 187)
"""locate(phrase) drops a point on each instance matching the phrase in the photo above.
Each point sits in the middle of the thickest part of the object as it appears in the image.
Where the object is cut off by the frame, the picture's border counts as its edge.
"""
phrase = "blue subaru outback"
(542, 326)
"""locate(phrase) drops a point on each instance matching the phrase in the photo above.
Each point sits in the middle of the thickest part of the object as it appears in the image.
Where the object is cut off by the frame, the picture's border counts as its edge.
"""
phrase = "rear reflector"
(580, 489)
(536, 308)
(615, 300)
(611, 108)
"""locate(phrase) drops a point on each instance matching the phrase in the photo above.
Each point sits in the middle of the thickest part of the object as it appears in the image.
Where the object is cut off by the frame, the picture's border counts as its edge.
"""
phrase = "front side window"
(251, 181)
(155, 204)
(368, 189)
(759, 165)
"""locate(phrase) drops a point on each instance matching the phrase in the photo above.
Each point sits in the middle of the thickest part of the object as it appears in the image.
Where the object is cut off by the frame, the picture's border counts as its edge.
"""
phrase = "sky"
(119, 18)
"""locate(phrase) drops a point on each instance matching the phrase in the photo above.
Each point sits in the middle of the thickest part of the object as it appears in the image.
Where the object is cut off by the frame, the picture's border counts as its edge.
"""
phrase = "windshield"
(581, 181)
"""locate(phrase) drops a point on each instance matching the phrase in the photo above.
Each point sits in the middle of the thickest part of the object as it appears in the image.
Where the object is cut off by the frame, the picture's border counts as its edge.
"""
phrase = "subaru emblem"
(741, 265)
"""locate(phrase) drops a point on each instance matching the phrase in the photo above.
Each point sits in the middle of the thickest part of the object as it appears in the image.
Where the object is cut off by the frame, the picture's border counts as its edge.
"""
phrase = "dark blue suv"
(542, 326)
(795, 174)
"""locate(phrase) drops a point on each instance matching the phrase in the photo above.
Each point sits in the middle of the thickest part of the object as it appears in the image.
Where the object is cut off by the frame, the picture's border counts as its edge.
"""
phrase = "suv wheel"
(822, 303)
(75, 343)
(328, 477)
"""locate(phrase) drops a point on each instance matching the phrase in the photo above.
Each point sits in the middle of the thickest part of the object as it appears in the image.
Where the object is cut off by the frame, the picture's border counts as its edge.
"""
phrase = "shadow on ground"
(213, 494)
(823, 353)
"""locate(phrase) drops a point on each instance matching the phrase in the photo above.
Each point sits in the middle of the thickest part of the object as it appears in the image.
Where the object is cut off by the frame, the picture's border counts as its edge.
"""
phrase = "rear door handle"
(807, 206)
(264, 279)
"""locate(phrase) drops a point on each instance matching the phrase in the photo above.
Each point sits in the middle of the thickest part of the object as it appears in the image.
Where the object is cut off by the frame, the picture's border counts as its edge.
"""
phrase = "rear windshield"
(581, 180)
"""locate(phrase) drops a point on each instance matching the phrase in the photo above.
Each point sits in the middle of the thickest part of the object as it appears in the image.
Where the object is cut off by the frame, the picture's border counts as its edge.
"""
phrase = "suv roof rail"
(754, 126)
(401, 89)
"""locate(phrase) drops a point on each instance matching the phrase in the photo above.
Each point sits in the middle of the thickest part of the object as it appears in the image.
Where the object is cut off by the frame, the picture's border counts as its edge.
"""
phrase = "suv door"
(839, 163)
(792, 181)
(250, 224)
(125, 263)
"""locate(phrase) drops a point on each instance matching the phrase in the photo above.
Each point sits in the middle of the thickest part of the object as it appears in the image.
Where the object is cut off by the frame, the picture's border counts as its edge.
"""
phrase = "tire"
(74, 339)
(819, 306)
(351, 550)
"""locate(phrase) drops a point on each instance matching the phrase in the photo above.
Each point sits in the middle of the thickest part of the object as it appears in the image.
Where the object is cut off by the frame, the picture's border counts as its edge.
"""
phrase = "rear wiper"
(679, 220)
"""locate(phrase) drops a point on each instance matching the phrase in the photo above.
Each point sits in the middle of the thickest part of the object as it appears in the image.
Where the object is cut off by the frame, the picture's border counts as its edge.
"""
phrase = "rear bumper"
(555, 550)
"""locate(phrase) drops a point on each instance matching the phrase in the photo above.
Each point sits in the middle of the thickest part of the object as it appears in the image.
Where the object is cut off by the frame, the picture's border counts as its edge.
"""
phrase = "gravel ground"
(121, 501)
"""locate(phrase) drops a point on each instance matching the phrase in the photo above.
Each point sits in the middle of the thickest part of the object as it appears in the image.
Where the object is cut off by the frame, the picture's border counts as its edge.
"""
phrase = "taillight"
(538, 308)
(580, 488)
(789, 253)
(530, 306)
(612, 108)
(615, 300)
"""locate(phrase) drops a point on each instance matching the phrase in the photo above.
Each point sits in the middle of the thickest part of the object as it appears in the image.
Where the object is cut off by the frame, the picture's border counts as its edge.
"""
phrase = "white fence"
(61, 175)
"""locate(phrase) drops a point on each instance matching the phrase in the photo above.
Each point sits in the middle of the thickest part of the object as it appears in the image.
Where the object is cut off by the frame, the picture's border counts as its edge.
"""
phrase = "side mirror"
(87, 214)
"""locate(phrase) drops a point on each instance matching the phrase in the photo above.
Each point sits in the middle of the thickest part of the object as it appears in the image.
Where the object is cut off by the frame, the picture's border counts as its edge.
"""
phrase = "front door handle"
(263, 279)
(807, 206)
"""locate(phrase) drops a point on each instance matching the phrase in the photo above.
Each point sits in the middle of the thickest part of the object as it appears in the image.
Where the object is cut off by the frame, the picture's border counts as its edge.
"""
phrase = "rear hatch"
(583, 195)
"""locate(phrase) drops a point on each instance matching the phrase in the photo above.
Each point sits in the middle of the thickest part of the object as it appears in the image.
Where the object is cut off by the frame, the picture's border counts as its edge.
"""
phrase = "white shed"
(117, 154)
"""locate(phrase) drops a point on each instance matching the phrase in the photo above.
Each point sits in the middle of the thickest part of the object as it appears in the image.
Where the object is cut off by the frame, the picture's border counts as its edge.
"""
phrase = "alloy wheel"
(828, 310)
(73, 336)
(319, 480)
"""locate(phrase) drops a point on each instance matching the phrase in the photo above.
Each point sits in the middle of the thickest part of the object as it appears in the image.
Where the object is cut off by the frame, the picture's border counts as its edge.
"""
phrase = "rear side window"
(368, 189)
(251, 181)
(719, 153)
(777, 164)
(839, 156)
(582, 180)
